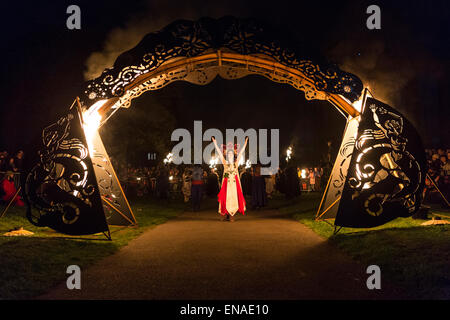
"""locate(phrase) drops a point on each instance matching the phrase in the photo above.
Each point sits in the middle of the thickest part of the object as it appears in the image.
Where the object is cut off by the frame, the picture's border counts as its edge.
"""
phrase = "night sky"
(406, 64)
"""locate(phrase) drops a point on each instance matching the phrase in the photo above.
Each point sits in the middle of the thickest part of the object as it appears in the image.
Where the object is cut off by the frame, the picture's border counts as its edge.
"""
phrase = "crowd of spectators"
(163, 181)
(12, 163)
(313, 179)
(168, 181)
(171, 181)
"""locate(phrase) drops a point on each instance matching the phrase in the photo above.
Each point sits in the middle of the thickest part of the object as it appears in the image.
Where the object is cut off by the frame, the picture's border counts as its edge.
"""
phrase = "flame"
(288, 153)
(358, 104)
(169, 158)
(303, 174)
(213, 162)
(91, 123)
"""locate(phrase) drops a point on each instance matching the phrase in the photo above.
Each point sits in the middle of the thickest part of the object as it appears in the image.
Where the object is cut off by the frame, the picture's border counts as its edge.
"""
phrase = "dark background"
(44, 65)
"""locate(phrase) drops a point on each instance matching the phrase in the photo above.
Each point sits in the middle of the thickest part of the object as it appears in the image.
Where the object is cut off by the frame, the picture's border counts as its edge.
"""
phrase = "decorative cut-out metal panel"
(386, 174)
(192, 38)
(115, 204)
(333, 193)
(204, 74)
(61, 190)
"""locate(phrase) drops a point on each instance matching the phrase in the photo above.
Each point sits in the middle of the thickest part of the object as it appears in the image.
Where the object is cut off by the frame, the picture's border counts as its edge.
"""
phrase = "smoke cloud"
(156, 16)
(381, 72)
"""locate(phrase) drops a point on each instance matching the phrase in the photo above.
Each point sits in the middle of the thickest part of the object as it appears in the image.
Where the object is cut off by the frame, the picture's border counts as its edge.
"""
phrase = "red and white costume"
(231, 199)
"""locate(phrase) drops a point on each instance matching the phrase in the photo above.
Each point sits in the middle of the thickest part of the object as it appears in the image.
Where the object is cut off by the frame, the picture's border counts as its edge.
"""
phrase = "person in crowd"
(312, 180)
(444, 176)
(9, 190)
(196, 187)
(270, 185)
(280, 181)
(437, 175)
(291, 183)
(259, 197)
(212, 184)
(216, 173)
(152, 179)
(435, 162)
(326, 172)
(141, 183)
(246, 179)
(16, 162)
(330, 151)
(317, 178)
(4, 161)
(122, 175)
(176, 179)
(430, 192)
(131, 182)
(445, 166)
(205, 181)
(162, 183)
(187, 177)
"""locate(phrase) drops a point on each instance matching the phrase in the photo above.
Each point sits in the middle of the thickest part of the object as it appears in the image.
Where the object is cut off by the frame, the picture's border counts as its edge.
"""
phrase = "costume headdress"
(230, 146)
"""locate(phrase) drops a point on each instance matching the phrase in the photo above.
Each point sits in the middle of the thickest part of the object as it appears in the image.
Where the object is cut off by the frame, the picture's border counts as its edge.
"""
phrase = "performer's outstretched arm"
(242, 151)
(218, 151)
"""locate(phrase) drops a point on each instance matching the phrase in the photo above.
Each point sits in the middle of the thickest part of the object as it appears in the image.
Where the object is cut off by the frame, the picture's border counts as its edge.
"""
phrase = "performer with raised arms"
(230, 197)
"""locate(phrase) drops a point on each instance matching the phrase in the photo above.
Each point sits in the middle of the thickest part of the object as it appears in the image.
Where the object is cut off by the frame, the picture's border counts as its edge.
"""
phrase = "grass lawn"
(412, 256)
(30, 266)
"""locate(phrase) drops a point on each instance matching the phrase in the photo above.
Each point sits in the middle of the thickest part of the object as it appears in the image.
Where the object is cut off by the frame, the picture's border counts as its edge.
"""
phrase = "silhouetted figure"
(197, 187)
(280, 181)
(4, 165)
(212, 184)
(16, 162)
(246, 179)
(291, 183)
(162, 183)
(259, 197)
(187, 180)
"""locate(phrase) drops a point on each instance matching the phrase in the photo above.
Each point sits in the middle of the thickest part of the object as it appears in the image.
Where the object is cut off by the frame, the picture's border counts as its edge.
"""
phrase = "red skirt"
(10, 190)
(222, 197)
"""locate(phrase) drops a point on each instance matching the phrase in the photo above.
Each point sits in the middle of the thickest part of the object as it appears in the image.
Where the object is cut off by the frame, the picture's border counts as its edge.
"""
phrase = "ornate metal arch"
(194, 51)
(189, 39)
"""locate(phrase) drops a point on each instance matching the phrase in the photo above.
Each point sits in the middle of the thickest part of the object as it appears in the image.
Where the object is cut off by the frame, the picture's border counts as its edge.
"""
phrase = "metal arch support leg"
(336, 230)
(107, 234)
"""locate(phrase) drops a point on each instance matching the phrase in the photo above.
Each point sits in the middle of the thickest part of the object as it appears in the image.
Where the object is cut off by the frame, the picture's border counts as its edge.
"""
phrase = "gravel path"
(262, 255)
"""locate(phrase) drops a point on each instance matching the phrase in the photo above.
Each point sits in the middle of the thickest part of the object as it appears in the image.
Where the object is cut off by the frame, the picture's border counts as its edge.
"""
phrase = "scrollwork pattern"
(190, 38)
(386, 174)
(60, 187)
